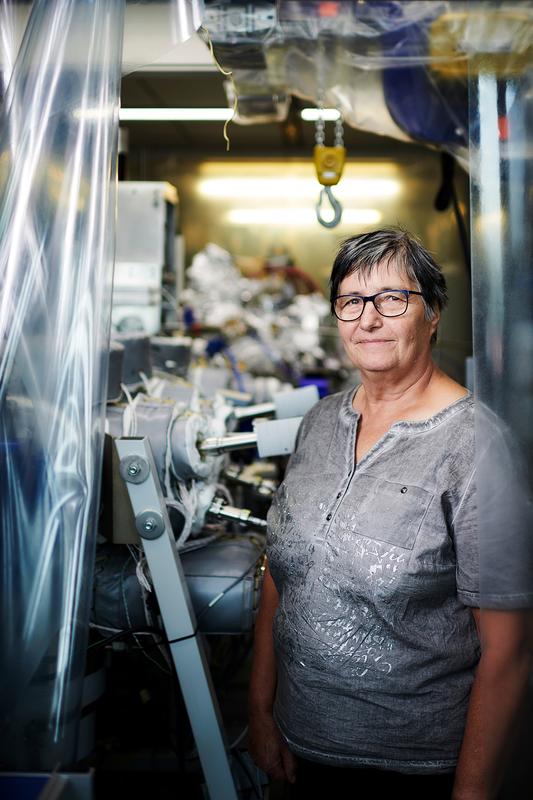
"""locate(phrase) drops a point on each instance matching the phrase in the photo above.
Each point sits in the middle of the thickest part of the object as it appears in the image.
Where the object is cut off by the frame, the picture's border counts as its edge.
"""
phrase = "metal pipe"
(258, 410)
(242, 515)
(215, 445)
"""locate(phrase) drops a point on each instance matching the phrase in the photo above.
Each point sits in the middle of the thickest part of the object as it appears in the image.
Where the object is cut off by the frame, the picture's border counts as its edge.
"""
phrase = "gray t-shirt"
(376, 565)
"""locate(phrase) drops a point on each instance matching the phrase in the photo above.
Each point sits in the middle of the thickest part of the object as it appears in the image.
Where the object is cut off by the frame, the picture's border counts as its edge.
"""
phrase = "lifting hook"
(335, 205)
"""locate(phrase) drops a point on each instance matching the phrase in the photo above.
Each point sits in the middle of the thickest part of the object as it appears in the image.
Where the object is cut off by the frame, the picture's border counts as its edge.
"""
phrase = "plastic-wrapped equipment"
(228, 568)
(267, 326)
(174, 432)
(390, 67)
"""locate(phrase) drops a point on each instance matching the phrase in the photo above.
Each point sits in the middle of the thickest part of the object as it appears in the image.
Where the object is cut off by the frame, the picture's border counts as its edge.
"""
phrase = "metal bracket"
(139, 472)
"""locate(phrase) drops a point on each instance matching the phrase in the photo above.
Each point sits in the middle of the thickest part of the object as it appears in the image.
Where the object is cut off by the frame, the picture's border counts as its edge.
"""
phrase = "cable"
(167, 669)
(206, 37)
(463, 235)
(140, 632)
(447, 193)
(197, 544)
(121, 634)
(107, 628)
(221, 594)
(183, 638)
(129, 417)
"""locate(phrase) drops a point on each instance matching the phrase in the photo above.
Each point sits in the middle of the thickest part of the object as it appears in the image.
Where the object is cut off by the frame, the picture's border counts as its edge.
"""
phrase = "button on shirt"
(376, 566)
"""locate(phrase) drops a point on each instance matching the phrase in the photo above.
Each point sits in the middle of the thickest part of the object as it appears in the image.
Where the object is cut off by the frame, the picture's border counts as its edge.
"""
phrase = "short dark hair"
(399, 248)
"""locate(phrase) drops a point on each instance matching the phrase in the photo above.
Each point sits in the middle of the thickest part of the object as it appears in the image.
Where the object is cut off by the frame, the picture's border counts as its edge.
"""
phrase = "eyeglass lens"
(389, 304)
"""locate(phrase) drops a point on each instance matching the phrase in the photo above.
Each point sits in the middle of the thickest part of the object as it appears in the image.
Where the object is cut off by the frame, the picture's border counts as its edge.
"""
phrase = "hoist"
(329, 164)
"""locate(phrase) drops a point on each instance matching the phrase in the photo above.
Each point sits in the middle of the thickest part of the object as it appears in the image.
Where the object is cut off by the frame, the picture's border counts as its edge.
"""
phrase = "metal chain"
(320, 131)
(320, 126)
(339, 132)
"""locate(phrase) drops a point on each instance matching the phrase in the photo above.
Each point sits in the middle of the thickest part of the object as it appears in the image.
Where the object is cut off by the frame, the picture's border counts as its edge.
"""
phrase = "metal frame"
(138, 470)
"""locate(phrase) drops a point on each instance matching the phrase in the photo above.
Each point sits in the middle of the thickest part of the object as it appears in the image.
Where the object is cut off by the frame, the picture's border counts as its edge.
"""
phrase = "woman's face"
(375, 343)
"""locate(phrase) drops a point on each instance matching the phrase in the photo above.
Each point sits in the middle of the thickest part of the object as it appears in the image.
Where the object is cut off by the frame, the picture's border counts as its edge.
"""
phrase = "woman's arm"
(267, 747)
(495, 700)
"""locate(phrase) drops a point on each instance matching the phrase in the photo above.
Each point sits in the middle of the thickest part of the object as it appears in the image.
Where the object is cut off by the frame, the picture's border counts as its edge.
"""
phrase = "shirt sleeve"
(505, 522)
(466, 543)
(492, 528)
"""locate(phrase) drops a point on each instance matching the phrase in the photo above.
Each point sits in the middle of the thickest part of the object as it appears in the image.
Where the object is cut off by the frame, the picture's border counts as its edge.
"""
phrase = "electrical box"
(144, 288)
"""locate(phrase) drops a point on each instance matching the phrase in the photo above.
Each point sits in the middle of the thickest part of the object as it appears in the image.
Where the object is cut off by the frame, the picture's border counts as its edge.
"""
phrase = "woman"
(368, 673)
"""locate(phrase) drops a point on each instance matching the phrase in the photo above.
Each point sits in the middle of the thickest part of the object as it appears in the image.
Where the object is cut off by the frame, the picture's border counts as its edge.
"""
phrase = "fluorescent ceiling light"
(263, 188)
(208, 114)
(175, 114)
(298, 216)
(312, 114)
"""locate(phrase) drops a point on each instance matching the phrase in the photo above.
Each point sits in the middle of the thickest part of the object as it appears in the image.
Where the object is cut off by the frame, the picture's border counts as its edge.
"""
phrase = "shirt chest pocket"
(389, 511)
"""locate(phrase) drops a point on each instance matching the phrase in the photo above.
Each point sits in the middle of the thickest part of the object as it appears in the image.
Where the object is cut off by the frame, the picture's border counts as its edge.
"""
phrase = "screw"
(149, 524)
(134, 469)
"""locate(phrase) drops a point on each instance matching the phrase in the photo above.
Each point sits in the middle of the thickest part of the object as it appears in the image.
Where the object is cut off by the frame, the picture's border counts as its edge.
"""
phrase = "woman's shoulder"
(332, 403)
(445, 392)
(442, 402)
(325, 413)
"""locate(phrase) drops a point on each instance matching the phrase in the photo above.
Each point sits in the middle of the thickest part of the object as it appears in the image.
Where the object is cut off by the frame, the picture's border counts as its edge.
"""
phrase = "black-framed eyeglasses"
(390, 303)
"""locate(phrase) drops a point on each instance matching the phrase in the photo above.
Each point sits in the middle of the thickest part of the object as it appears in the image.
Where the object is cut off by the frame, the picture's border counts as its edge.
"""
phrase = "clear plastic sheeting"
(394, 68)
(59, 130)
(501, 125)
(154, 32)
(11, 30)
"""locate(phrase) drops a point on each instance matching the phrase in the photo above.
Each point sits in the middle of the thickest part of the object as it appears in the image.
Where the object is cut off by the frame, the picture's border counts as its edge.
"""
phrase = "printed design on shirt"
(286, 539)
(337, 638)
(325, 618)
(380, 563)
(355, 642)
(357, 574)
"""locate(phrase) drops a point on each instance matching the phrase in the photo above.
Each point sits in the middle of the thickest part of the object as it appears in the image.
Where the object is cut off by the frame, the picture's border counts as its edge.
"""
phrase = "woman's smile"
(374, 341)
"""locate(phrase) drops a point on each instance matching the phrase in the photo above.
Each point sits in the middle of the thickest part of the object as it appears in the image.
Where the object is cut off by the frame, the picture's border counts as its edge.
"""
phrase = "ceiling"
(185, 76)
(183, 88)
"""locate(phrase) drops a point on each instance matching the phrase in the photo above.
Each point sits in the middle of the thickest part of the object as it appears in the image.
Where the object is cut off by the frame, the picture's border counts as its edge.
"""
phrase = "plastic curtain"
(58, 138)
(8, 43)
(154, 31)
(501, 129)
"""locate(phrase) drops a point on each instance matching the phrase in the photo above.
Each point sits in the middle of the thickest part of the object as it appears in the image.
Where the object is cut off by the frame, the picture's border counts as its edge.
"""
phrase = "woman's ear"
(434, 325)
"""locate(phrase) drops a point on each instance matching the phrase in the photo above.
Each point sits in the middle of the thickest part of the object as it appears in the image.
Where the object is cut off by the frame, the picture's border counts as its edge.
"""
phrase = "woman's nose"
(370, 315)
